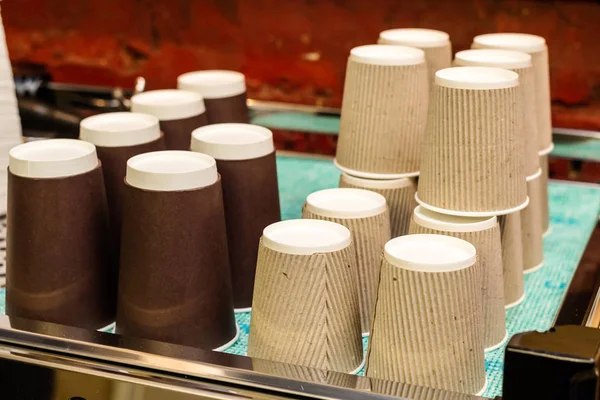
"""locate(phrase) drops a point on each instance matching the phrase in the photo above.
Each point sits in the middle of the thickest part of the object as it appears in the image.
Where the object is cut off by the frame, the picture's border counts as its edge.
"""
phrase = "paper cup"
(58, 254)
(305, 307)
(224, 94)
(472, 163)
(179, 113)
(384, 112)
(435, 44)
(304, 374)
(536, 47)
(366, 214)
(418, 339)
(531, 226)
(399, 194)
(512, 259)
(526, 107)
(544, 199)
(245, 158)
(174, 283)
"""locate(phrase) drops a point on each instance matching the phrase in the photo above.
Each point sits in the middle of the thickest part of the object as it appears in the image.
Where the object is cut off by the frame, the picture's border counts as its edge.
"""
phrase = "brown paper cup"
(399, 194)
(544, 199)
(305, 307)
(512, 259)
(384, 112)
(175, 284)
(179, 113)
(224, 94)
(59, 261)
(531, 227)
(435, 44)
(246, 162)
(365, 213)
(472, 161)
(418, 339)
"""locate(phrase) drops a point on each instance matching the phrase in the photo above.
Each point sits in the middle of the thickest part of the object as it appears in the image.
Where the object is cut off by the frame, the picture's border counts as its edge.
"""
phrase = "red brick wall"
(290, 50)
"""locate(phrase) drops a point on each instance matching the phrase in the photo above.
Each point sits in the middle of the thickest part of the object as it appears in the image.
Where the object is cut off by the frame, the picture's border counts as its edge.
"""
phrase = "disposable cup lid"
(119, 129)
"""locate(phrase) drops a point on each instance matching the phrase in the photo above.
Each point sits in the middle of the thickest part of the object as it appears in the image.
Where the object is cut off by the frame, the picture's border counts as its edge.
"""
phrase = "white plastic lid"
(306, 236)
(415, 37)
(376, 183)
(476, 78)
(119, 129)
(430, 253)
(233, 141)
(346, 203)
(381, 54)
(512, 41)
(52, 158)
(451, 223)
(168, 104)
(171, 170)
(493, 58)
(213, 84)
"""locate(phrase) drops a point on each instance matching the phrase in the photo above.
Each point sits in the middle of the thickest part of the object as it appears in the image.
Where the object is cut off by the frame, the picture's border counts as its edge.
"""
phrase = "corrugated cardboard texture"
(489, 256)
(401, 203)
(178, 132)
(251, 199)
(175, 284)
(531, 227)
(414, 392)
(227, 109)
(472, 159)
(528, 129)
(541, 69)
(59, 263)
(437, 58)
(512, 257)
(305, 310)
(304, 374)
(428, 329)
(384, 112)
(544, 200)
(369, 235)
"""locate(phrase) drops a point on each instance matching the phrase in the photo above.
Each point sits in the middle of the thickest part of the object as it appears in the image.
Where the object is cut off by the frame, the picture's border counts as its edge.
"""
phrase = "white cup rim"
(376, 183)
(306, 237)
(214, 83)
(119, 129)
(346, 203)
(476, 78)
(512, 41)
(498, 58)
(451, 223)
(232, 141)
(415, 37)
(168, 104)
(387, 55)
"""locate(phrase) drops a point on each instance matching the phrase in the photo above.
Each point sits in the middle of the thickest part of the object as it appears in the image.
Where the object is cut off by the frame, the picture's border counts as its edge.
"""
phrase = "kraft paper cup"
(59, 263)
(520, 63)
(399, 194)
(245, 157)
(512, 259)
(544, 198)
(224, 94)
(179, 113)
(484, 234)
(536, 47)
(418, 339)
(531, 226)
(305, 308)
(384, 112)
(366, 214)
(435, 44)
(174, 283)
(304, 374)
(472, 160)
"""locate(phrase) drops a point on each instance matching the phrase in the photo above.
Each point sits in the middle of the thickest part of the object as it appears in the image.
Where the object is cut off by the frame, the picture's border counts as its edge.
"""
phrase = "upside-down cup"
(472, 159)
(484, 234)
(384, 111)
(531, 226)
(245, 158)
(224, 94)
(179, 113)
(435, 44)
(544, 198)
(520, 63)
(366, 214)
(118, 137)
(305, 307)
(174, 282)
(59, 263)
(399, 194)
(428, 326)
(512, 259)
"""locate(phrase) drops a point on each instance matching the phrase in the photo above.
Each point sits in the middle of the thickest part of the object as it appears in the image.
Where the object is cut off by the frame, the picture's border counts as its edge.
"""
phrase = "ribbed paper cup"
(472, 163)
(536, 47)
(512, 259)
(531, 226)
(544, 198)
(520, 63)
(435, 44)
(384, 112)
(305, 308)
(484, 234)
(399, 194)
(304, 374)
(366, 214)
(418, 338)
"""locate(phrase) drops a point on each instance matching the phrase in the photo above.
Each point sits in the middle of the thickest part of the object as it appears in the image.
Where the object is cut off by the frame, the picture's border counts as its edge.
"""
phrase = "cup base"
(537, 267)
(547, 150)
(242, 310)
(474, 213)
(232, 341)
(548, 232)
(497, 345)
(372, 175)
(361, 366)
(108, 327)
(515, 303)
